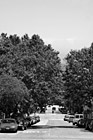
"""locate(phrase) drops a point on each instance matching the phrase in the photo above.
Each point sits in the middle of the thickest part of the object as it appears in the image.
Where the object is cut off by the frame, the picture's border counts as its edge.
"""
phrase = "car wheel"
(25, 127)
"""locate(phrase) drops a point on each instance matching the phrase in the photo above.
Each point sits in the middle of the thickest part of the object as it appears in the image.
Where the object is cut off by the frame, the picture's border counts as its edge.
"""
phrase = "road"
(51, 127)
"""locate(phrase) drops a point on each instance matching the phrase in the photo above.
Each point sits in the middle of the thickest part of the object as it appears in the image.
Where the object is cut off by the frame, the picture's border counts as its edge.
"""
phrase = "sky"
(65, 24)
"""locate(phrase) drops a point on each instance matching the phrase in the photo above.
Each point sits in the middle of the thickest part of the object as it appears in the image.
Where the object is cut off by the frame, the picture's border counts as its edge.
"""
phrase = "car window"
(71, 116)
(77, 116)
(53, 108)
(8, 121)
(81, 116)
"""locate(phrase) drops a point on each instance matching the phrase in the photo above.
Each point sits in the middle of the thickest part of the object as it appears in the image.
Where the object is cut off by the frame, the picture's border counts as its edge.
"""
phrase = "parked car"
(22, 123)
(37, 119)
(32, 119)
(53, 109)
(77, 118)
(81, 123)
(66, 117)
(21, 120)
(71, 117)
(8, 124)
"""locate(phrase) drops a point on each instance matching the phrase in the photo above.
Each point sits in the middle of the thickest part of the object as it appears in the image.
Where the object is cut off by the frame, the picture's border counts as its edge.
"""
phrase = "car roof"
(79, 114)
(71, 116)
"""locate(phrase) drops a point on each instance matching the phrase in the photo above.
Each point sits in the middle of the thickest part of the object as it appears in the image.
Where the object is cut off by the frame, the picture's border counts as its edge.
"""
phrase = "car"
(37, 119)
(53, 109)
(81, 123)
(71, 117)
(8, 125)
(77, 118)
(32, 119)
(66, 117)
(22, 123)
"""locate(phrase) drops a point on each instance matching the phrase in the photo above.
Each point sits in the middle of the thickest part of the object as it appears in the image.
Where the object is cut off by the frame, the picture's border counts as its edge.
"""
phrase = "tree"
(35, 64)
(78, 81)
(13, 95)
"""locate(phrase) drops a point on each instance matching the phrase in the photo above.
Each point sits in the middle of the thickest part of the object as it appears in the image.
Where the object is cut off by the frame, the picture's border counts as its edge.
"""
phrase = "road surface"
(51, 127)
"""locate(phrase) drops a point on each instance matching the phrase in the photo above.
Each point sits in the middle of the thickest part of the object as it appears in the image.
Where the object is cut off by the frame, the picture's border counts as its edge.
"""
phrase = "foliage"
(35, 64)
(13, 94)
(78, 79)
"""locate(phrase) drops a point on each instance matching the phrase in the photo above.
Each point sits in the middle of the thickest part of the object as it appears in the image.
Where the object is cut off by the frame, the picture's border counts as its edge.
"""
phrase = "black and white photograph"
(46, 69)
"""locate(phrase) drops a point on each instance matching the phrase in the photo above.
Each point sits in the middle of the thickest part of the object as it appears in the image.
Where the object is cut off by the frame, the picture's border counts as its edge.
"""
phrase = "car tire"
(25, 127)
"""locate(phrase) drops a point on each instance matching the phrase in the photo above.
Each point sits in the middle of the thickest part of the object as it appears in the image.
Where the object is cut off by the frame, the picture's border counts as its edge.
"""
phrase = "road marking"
(34, 131)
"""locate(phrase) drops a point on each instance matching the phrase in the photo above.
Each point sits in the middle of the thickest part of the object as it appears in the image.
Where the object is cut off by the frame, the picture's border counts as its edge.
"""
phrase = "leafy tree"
(13, 95)
(78, 79)
(35, 64)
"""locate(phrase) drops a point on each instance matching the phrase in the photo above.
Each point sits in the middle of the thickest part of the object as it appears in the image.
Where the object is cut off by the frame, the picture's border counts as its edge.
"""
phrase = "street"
(51, 127)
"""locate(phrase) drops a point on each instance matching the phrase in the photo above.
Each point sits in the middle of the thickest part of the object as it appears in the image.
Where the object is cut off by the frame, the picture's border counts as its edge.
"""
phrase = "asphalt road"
(51, 127)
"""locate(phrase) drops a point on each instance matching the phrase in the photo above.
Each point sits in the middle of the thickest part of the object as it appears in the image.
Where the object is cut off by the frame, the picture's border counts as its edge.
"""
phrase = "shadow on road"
(49, 126)
(84, 130)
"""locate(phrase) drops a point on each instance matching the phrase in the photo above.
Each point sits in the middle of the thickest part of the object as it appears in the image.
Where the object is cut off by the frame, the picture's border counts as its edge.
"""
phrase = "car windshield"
(8, 121)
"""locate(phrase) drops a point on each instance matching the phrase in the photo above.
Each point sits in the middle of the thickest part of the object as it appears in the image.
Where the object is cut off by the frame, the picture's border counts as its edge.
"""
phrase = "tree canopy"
(78, 79)
(13, 94)
(34, 63)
